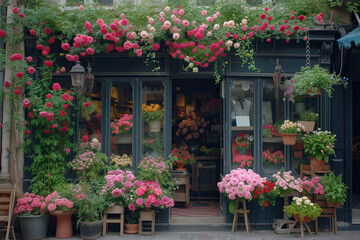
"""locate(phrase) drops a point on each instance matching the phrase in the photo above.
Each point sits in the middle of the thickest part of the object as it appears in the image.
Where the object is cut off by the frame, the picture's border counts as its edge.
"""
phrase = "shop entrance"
(197, 124)
(356, 156)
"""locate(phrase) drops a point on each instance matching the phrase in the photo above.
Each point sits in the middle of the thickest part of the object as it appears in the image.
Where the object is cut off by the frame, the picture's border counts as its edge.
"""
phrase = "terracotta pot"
(309, 126)
(131, 228)
(317, 165)
(64, 224)
(265, 203)
(289, 138)
(305, 220)
(180, 166)
(316, 92)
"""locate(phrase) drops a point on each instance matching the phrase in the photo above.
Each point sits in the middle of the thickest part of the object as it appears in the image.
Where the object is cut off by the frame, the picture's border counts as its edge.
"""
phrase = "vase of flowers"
(303, 210)
(289, 131)
(319, 145)
(243, 142)
(180, 156)
(121, 128)
(33, 217)
(265, 195)
(308, 119)
(153, 115)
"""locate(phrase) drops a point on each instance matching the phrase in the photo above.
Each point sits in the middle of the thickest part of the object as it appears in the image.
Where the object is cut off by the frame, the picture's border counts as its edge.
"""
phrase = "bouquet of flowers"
(313, 186)
(117, 183)
(244, 160)
(181, 154)
(266, 194)
(152, 112)
(286, 183)
(122, 125)
(151, 168)
(30, 204)
(192, 127)
(56, 202)
(273, 158)
(319, 144)
(243, 141)
(292, 127)
(303, 207)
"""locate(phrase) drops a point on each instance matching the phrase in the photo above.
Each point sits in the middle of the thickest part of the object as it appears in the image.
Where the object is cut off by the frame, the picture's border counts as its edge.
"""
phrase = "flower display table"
(108, 218)
(147, 222)
(183, 193)
(242, 211)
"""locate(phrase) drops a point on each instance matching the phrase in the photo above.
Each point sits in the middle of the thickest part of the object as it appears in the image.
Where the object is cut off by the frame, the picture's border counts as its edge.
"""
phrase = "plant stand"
(108, 218)
(302, 227)
(284, 225)
(242, 211)
(147, 222)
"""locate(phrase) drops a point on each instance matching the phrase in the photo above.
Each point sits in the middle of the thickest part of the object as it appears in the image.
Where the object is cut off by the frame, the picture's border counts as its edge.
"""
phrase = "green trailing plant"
(304, 207)
(334, 188)
(319, 144)
(308, 115)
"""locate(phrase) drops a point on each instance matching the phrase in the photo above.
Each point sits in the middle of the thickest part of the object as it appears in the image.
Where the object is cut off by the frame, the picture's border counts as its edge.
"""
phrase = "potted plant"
(33, 217)
(132, 219)
(153, 115)
(154, 169)
(180, 156)
(243, 142)
(121, 129)
(334, 189)
(286, 183)
(276, 158)
(266, 194)
(308, 119)
(310, 81)
(319, 145)
(289, 131)
(303, 210)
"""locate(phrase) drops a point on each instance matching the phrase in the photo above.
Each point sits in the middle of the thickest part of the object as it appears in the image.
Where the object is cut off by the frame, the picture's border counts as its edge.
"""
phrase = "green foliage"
(154, 143)
(319, 144)
(132, 217)
(304, 207)
(308, 115)
(154, 169)
(87, 108)
(334, 188)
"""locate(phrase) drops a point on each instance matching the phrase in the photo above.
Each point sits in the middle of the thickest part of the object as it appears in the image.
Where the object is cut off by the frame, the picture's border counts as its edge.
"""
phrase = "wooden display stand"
(183, 193)
(302, 227)
(307, 170)
(147, 222)
(284, 225)
(108, 218)
(327, 212)
(242, 211)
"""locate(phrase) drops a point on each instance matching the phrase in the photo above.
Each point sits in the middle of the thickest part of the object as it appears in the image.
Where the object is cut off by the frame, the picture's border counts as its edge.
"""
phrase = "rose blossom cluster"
(313, 186)
(240, 183)
(192, 127)
(286, 183)
(149, 194)
(56, 202)
(30, 204)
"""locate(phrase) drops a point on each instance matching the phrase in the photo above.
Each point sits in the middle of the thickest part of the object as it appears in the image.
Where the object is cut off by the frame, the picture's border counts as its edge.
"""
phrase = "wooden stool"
(328, 211)
(108, 218)
(302, 226)
(242, 211)
(147, 222)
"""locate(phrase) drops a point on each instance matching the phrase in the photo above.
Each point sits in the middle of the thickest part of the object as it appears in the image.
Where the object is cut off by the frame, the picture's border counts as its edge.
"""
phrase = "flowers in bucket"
(30, 204)
(244, 160)
(192, 127)
(292, 127)
(243, 141)
(154, 168)
(89, 164)
(313, 186)
(265, 195)
(122, 125)
(303, 207)
(273, 158)
(181, 155)
(152, 112)
(56, 202)
(286, 183)
(319, 144)
(117, 183)
(239, 183)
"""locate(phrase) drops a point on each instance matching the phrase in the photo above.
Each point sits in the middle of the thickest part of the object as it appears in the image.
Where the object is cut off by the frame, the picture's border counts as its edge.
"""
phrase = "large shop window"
(121, 124)
(242, 124)
(153, 102)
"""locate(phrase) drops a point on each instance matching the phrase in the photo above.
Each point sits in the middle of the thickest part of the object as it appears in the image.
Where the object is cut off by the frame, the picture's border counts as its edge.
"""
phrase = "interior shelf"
(250, 128)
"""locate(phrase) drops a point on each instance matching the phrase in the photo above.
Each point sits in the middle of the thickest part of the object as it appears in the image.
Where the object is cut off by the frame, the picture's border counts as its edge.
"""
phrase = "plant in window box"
(273, 158)
(121, 129)
(243, 142)
(334, 189)
(308, 119)
(319, 145)
(303, 210)
(289, 131)
(285, 183)
(265, 195)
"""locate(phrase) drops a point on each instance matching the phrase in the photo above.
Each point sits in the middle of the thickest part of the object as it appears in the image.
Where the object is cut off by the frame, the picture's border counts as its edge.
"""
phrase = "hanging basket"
(289, 138)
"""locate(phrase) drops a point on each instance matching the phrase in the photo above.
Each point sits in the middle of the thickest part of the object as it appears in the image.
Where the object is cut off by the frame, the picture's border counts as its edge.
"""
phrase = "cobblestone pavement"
(254, 235)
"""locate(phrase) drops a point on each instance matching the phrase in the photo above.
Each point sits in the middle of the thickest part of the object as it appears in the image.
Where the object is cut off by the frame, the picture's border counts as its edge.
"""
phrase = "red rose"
(85, 138)
(6, 84)
(52, 40)
(62, 113)
(87, 104)
(31, 115)
(56, 86)
(49, 104)
(48, 95)
(32, 32)
(47, 131)
(27, 132)
(47, 30)
(17, 91)
(65, 106)
(21, 15)
(65, 96)
(64, 129)
(2, 33)
(48, 63)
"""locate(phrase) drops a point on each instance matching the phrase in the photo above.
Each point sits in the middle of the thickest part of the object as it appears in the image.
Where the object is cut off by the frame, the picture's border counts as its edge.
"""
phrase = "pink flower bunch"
(273, 158)
(30, 204)
(118, 184)
(122, 125)
(313, 186)
(272, 130)
(152, 164)
(244, 160)
(240, 183)
(286, 183)
(56, 202)
(88, 164)
(149, 194)
(192, 127)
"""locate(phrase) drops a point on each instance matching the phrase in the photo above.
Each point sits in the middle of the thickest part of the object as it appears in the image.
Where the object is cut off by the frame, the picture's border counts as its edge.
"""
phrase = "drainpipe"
(2, 46)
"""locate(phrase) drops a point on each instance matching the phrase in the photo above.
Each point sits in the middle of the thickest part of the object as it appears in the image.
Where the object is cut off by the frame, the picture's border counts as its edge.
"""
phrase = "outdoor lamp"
(78, 77)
